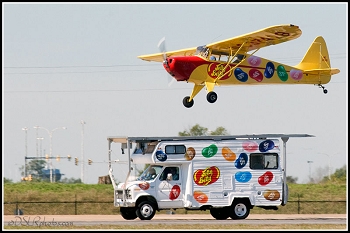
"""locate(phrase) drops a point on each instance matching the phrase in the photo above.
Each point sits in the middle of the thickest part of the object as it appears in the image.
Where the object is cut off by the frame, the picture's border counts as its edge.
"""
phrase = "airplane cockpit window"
(238, 58)
(202, 51)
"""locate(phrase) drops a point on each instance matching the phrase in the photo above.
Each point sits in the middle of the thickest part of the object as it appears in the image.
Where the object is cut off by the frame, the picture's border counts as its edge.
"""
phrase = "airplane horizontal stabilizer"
(323, 71)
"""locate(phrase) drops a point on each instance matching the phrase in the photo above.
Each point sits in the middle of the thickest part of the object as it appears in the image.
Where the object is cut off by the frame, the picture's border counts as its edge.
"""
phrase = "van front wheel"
(128, 213)
(145, 210)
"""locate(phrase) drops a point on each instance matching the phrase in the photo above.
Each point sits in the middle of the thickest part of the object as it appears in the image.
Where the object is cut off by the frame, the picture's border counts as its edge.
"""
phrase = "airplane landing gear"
(212, 97)
(324, 89)
(187, 103)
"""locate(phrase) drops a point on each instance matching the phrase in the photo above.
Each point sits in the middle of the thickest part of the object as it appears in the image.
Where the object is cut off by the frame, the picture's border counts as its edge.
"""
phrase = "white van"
(227, 175)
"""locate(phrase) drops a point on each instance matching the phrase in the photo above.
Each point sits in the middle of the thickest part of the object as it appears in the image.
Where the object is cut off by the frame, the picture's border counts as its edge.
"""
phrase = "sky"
(65, 64)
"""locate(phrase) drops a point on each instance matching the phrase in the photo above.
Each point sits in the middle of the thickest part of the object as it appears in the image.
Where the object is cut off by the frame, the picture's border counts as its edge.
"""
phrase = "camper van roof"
(123, 139)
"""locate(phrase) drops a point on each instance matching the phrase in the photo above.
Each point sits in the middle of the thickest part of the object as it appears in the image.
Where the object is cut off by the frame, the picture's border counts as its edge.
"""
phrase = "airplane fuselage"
(253, 70)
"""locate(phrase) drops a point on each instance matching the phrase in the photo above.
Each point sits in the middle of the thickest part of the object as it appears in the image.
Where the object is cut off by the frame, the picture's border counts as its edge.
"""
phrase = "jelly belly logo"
(215, 69)
(207, 176)
(175, 192)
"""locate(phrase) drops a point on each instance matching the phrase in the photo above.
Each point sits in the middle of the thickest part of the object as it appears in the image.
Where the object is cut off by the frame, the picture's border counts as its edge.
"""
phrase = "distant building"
(56, 174)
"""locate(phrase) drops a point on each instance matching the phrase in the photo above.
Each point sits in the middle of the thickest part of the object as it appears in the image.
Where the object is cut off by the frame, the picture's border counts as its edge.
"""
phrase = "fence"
(107, 208)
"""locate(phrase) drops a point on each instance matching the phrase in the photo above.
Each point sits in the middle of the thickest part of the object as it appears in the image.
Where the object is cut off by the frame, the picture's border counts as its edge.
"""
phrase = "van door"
(170, 193)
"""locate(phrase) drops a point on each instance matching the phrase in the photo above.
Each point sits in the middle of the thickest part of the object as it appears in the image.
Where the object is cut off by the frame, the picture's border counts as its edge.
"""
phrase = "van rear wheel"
(220, 213)
(239, 209)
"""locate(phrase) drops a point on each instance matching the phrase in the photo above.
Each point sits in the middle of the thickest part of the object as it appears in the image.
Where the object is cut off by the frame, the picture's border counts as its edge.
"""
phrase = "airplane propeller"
(161, 46)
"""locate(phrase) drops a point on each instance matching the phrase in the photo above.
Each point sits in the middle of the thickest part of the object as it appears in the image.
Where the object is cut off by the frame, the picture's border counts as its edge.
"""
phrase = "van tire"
(239, 209)
(145, 210)
(220, 213)
(128, 213)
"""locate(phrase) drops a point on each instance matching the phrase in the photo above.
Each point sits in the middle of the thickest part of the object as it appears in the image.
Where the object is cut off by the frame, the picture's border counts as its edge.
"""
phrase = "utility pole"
(82, 150)
(37, 150)
(26, 151)
(309, 162)
(50, 135)
(40, 146)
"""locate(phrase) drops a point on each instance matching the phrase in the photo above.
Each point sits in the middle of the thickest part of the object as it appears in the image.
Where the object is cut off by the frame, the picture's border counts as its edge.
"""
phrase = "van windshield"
(150, 173)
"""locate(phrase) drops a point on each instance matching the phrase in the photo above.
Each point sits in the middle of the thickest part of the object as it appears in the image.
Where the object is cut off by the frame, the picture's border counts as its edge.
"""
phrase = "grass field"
(83, 199)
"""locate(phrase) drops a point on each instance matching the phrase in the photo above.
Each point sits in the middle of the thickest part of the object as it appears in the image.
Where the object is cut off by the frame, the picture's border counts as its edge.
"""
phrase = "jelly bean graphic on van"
(241, 161)
(209, 151)
(266, 145)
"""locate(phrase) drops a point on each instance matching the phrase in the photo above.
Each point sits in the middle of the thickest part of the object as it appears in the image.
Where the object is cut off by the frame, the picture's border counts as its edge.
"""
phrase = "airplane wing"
(159, 56)
(254, 40)
(265, 37)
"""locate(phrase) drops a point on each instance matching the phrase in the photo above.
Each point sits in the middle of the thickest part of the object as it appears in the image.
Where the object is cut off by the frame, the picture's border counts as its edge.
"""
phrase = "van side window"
(263, 161)
(174, 172)
(175, 149)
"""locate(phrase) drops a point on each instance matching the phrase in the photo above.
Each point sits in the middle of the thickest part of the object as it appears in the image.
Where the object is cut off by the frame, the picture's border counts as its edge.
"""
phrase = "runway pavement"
(7, 218)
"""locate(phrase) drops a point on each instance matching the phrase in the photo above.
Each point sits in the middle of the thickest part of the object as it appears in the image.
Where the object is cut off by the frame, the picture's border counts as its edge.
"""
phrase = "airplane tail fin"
(316, 60)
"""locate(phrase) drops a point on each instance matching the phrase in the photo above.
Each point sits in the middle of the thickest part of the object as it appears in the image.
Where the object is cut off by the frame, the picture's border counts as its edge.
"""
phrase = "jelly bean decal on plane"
(241, 75)
(228, 154)
(175, 192)
(269, 70)
(190, 153)
(207, 176)
(265, 178)
(296, 74)
(256, 75)
(200, 196)
(241, 161)
(254, 61)
(266, 145)
(282, 73)
(210, 151)
(243, 177)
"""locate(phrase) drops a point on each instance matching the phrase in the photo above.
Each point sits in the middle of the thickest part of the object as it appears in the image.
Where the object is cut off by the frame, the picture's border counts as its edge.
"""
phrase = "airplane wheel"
(212, 97)
(325, 91)
(186, 103)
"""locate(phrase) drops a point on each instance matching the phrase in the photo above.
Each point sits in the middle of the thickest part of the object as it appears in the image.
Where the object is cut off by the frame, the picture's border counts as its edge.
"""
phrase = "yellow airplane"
(228, 62)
